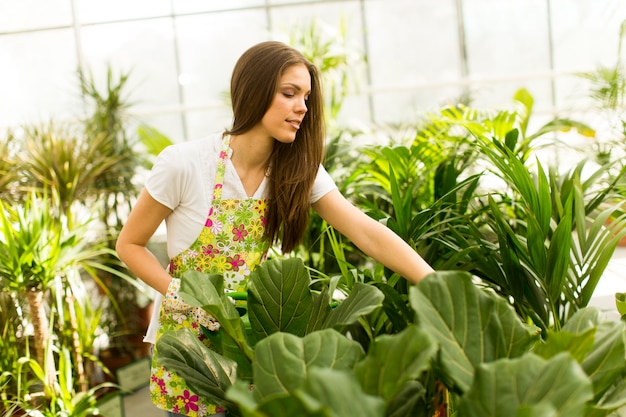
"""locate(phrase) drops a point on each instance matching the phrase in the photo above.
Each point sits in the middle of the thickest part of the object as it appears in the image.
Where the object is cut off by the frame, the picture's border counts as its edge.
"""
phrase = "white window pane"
(34, 14)
(143, 48)
(90, 11)
(42, 85)
(506, 37)
(412, 45)
(194, 6)
(208, 52)
(586, 32)
(201, 123)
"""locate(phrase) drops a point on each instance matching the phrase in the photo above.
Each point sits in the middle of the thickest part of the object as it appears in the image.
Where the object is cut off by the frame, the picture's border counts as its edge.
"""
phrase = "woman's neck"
(251, 151)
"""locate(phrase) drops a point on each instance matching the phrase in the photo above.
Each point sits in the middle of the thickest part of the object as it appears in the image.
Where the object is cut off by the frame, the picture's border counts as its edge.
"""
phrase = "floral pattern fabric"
(231, 243)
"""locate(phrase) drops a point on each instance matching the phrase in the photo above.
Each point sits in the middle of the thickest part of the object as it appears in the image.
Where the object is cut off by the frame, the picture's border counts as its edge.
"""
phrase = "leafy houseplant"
(40, 253)
(538, 236)
(36, 248)
(467, 337)
(108, 121)
(60, 398)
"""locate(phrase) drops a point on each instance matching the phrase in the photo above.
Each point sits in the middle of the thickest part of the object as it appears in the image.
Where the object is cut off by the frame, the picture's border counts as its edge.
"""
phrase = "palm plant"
(465, 192)
(107, 122)
(8, 171)
(59, 159)
(61, 398)
(553, 243)
(12, 343)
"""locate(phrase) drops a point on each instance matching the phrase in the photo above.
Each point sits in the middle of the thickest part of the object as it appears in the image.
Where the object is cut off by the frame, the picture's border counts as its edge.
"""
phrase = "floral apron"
(231, 243)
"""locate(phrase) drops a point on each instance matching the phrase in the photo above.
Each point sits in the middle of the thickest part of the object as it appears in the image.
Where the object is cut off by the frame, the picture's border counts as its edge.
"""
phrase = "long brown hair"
(294, 165)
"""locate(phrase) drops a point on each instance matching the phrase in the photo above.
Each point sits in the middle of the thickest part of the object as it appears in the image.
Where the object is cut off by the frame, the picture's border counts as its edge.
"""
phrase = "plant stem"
(41, 334)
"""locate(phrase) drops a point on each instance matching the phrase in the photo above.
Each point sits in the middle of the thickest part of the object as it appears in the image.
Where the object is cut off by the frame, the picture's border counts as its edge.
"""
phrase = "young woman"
(228, 197)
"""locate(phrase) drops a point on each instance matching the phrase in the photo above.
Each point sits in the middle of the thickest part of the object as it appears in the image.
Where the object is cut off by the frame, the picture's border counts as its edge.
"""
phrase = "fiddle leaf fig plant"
(464, 335)
(471, 326)
(528, 384)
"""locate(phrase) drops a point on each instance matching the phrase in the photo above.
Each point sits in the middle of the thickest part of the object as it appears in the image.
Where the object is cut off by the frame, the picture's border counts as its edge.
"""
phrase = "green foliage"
(153, 140)
(8, 167)
(468, 337)
(61, 399)
(620, 301)
(528, 385)
(467, 192)
(57, 159)
(485, 329)
(35, 245)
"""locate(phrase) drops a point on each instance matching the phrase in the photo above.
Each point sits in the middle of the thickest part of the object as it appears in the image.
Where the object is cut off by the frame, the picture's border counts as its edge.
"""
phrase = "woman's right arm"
(144, 219)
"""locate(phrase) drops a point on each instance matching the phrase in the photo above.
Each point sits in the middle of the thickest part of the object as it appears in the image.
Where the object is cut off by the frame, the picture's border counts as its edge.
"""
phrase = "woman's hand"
(174, 305)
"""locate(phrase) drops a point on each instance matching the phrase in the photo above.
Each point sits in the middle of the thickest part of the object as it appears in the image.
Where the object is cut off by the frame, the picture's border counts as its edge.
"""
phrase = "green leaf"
(319, 310)
(411, 401)
(324, 393)
(578, 345)
(606, 362)
(279, 298)
(207, 291)
(207, 373)
(472, 326)
(614, 399)
(362, 300)
(395, 307)
(542, 409)
(411, 350)
(340, 393)
(558, 257)
(283, 360)
(510, 387)
(153, 140)
(620, 303)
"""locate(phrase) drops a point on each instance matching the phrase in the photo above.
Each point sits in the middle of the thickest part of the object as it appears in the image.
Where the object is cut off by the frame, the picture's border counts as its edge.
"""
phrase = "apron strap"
(221, 168)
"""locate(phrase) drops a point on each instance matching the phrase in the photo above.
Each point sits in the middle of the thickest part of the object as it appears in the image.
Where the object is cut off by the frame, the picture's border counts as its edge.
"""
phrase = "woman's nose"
(301, 106)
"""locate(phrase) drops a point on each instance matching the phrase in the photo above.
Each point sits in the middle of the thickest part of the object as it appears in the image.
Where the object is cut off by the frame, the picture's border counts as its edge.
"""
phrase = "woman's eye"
(288, 95)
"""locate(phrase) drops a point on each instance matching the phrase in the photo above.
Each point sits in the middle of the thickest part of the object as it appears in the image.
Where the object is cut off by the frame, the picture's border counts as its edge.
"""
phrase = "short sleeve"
(166, 180)
(323, 185)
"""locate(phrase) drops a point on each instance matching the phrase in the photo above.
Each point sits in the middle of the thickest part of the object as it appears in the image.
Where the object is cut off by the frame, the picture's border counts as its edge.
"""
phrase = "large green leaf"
(394, 360)
(207, 373)
(411, 401)
(512, 387)
(279, 298)
(542, 409)
(362, 300)
(324, 392)
(606, 362)
(578, 345)
(282, 360)
(614, 399)
(319, 310)
(207, 291)
(472, 326)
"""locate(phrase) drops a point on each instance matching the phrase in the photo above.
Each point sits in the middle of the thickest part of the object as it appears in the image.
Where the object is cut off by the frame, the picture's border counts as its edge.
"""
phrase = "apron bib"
(231, 243)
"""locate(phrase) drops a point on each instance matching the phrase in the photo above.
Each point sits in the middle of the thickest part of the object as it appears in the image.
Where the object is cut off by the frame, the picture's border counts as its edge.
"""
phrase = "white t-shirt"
(183, 179)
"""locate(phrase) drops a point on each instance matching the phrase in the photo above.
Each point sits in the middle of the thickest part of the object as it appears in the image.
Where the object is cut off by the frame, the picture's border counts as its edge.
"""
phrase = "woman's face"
(284, 116)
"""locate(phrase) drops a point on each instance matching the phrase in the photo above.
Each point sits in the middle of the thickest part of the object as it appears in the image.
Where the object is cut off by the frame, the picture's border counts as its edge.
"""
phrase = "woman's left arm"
(373, 238)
